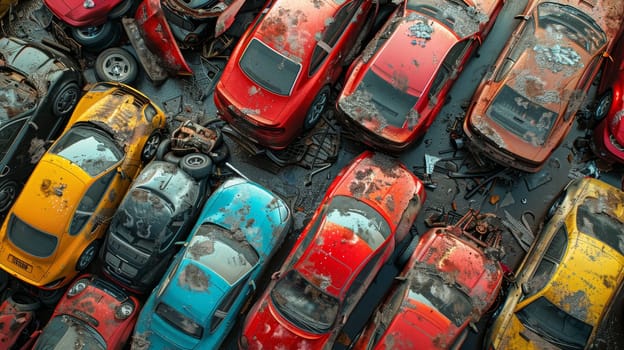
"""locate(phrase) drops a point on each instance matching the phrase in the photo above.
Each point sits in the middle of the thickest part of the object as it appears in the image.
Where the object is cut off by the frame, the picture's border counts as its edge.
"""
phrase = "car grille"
(119, 266)
(110, 288)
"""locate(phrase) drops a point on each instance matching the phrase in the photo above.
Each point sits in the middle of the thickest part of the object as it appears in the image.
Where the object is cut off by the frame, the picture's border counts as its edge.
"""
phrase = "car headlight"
(78, 287)
(124, 311)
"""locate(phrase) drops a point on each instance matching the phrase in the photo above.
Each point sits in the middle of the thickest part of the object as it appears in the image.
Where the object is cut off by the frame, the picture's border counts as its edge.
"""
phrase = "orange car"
(523, 110)
(55, 227)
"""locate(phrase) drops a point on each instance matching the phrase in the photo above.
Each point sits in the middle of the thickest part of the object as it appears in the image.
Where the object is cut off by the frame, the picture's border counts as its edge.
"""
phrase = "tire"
(65, 99)
(8, 193)
(50, 298)
(116, 64)
(603, 105)
(220, 154)
(552, 210)
(23, 301)
(316, 108)
(198, 165)
(88, 255)
(126, 7)
(151, 146)
(172, 158)
(98, 37)
(163, 148)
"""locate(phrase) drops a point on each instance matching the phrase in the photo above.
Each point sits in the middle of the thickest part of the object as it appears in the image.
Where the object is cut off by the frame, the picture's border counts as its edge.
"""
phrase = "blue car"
(197, 302)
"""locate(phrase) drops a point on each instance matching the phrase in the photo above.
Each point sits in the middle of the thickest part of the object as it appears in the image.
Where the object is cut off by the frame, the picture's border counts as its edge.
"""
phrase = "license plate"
(20, 263)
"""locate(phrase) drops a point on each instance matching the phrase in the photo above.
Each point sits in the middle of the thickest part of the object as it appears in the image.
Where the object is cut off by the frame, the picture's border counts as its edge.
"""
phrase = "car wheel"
(50, 298)
(97, 37)
(126, 7)
(316, 108)
(220, 153)
(150, 147)
(552, 210)
(23, 301)
(603, 105)
(8, 192)
(116, 64)
(171, 157)
(88, 255)
(198, 165)
(66, 99)
(163, 148)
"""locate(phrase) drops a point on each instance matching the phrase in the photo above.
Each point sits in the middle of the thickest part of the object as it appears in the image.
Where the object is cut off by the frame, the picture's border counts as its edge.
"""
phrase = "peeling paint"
(193, 278)
(484, 128)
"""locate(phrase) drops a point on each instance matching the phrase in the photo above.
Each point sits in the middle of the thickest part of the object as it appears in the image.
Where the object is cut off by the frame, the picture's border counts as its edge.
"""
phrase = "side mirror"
(33, 125)
(252, 283)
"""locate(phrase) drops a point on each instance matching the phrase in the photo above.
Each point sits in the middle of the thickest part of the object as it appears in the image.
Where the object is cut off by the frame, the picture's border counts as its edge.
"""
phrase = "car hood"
(75, 14)
(267, 328)
(418, 326)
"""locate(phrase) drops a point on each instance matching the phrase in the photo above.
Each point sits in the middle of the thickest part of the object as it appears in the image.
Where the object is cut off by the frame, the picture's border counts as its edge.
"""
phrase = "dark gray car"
(39, 88)
(159, 209)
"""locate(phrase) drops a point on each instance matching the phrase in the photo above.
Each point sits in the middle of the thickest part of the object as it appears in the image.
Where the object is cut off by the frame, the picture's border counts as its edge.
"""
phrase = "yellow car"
(55, 227)
(567, 281)
(5, 6)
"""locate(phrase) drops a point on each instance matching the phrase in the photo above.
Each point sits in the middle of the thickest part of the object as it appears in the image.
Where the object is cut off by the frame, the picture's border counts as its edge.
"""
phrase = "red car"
(94, 313)
(397, 86)
(278, 79)
(367, 210)
(424, 310)
(609, 109)
(524, 109)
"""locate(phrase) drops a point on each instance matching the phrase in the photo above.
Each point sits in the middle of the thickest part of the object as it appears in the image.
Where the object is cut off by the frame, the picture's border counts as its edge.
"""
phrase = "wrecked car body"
(158, 210)
(93, 314)
(278, 79)
(522, 111)
(447, 285)
(39, 88)
(367, 211)
(74, 190)
(399, 83)
(213, 276)
(568, 279)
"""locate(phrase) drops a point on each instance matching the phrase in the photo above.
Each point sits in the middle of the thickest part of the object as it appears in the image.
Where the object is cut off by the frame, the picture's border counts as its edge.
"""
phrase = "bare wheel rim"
(151, 146)
(90, 32)
(116, 67)
(66, 100)
(603, 106)
(86, 257)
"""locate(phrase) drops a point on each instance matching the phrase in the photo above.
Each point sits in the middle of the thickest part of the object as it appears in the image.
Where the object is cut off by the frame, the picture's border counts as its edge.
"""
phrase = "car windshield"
(519, 115)
(378, 98)
(434, 291)
(555, 325)
(269, 69)
(16, 95)
(29, 239)
(223, 252)
(303, 304)
(66, 332)
(571, 24)
(89, 148)
(360, 218)
(144, 220)
(456, 15)
(595, 218)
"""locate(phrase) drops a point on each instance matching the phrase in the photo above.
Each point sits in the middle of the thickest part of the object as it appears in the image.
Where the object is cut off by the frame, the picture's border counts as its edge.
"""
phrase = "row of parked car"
(108, 181)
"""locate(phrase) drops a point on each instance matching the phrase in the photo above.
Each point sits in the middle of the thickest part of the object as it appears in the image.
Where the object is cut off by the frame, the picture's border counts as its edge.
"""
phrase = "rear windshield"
(31, 240)
(572, 24)
(594, 218)
(269, 69)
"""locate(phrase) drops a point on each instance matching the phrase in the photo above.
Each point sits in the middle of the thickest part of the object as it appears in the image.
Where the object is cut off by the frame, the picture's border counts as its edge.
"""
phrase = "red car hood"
(261, 105)
(418, 327)
(268, 330)
(74, 13)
